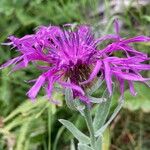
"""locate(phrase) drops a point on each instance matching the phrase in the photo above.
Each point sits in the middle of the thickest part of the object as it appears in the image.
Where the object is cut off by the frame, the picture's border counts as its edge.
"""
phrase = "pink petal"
(20, 65)
(116, 24)
(49, 88)
(72, 86)
(36, 87)
(140, 38)
(108, 76)
(121, 82)
(129, 76)
(132, 90)
(10, 62)
(107, 37)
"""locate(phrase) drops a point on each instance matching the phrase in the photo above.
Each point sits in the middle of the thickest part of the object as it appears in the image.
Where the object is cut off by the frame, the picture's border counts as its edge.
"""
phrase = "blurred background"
(28, 126)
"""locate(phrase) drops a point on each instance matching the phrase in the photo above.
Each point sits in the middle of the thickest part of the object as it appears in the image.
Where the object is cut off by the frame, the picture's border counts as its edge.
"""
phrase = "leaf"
(58, 135)
(25, 19)
(5, 84)
(146, 17)
(69, 98)
(146, 106)
(74, 104)
(102, 111)
(22, 136)
(98, 143)
(103, 128)
(140, 101)
(95, 86)
(79, 106)
(26, 107)
(106, 140)
(97, 100)
(76, 132)
(6, 7)
(84, 147)
(72, 145)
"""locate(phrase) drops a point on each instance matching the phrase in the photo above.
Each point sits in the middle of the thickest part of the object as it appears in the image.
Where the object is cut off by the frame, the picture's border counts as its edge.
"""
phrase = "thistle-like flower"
(74, 56)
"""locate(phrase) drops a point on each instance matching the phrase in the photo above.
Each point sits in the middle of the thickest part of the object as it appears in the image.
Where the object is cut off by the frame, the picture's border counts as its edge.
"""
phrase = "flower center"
(79, 73)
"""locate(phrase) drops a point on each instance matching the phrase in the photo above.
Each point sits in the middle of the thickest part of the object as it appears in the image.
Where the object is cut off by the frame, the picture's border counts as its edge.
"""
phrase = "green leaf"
(140, 101)
(95, 86)
(146, 17)
(97, 100)
(25, 19)
(69, 98)
(103, 128)
(79, 106)
(74, 104)
(102, 111)
(98, 143)
(76, 132)
(58, 135)
(22, 136)
(84, 147)
(106, 140)
(72, 145)
(25, 107)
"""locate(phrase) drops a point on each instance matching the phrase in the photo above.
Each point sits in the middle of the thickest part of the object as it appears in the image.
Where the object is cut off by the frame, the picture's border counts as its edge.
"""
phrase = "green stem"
(88, 118)
(49, 127)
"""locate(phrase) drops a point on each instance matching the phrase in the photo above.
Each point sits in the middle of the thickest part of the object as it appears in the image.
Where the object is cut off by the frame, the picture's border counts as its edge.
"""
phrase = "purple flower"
(73, 59)
(128, 68)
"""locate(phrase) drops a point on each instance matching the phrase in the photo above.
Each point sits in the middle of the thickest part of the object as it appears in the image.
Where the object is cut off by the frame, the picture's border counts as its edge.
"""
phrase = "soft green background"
(34, 126)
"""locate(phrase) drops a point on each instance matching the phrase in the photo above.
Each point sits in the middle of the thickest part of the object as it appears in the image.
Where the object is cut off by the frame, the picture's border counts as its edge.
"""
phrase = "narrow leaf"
(84, 147)
(102, 111)
(73, 104)
(69, 98)
(102, 129)
(98, 143)
(95, 86)
(106, 140)
(22, 136)
(79, 106)
(72, 146)
(97, 100)
(76, 132)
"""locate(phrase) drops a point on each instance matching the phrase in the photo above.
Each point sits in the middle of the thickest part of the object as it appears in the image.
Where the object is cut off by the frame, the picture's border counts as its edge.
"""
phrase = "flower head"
(75, 55)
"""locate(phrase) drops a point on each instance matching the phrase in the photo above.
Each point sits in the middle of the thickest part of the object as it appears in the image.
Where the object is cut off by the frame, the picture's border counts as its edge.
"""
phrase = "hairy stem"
(88, 118)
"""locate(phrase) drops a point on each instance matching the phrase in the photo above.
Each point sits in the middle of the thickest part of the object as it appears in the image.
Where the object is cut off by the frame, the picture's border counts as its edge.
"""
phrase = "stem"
(59, 133)
(88, 118)
(49, 127)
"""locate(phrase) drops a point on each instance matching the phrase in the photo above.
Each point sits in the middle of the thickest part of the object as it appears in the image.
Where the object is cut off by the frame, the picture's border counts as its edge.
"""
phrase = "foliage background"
(28, 126)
